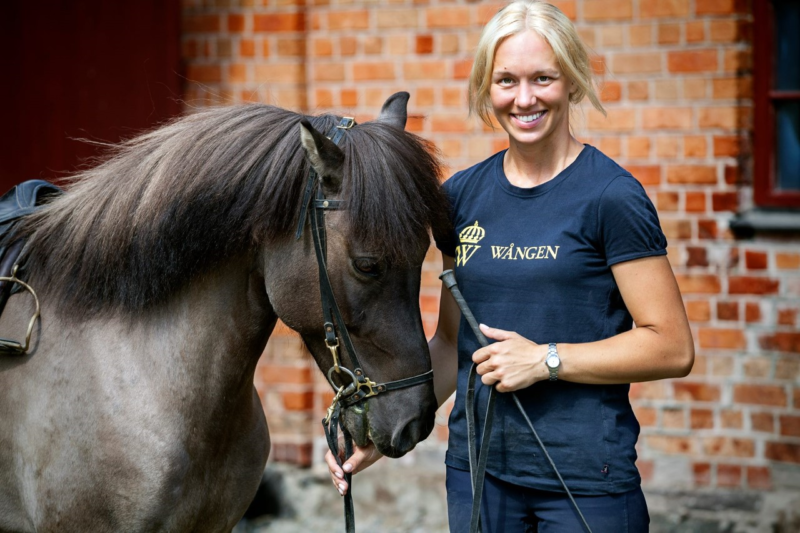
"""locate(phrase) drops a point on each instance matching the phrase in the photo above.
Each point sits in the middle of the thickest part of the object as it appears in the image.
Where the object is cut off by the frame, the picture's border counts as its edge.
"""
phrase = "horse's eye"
(367, 266)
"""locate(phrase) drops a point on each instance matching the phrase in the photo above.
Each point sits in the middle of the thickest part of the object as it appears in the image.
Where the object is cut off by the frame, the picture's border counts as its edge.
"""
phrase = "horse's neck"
(200, 346)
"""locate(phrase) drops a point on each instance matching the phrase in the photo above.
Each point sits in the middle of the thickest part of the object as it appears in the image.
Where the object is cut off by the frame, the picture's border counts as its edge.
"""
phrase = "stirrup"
(12, 347)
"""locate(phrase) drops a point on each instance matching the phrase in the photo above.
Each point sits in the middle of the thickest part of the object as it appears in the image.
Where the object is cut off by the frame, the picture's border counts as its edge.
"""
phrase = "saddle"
(20, 200)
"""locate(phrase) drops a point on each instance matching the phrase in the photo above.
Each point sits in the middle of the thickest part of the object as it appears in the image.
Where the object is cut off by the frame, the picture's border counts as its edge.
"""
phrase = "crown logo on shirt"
(472, 234)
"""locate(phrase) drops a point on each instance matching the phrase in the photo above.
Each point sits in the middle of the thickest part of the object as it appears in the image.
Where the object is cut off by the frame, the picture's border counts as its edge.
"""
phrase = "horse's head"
(373, 261)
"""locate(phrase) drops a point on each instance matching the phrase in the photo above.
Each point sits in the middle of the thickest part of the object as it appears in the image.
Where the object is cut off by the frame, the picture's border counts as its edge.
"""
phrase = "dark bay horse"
(161, 274)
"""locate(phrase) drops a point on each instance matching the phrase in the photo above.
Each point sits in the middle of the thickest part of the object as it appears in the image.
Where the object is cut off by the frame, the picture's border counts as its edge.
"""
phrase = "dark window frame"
(765, 193)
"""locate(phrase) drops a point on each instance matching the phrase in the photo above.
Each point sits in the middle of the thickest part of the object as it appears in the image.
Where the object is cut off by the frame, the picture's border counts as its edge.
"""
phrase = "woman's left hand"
(511, 363)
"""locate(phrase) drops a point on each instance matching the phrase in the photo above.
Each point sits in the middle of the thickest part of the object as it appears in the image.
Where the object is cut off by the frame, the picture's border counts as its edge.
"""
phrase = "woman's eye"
(369, 267)
(543, 79)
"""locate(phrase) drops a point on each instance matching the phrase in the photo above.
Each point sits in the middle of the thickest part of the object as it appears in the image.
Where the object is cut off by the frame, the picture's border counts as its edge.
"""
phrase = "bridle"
(360, 387)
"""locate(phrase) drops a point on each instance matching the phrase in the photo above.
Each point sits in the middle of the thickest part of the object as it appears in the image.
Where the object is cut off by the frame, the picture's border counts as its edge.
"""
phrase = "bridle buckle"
(346, 123)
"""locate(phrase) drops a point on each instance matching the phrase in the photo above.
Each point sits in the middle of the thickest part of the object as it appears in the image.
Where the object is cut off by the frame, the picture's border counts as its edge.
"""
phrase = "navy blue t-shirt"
(537, 261)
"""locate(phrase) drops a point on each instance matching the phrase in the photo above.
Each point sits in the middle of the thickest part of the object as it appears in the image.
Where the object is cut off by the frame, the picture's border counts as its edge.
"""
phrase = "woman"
(559, 251)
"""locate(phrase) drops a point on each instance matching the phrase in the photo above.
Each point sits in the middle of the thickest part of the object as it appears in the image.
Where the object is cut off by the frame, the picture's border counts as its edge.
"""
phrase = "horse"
(162, 272)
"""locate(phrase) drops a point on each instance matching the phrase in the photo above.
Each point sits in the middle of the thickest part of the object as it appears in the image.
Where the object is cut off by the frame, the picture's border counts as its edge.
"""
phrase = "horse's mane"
(174, 202)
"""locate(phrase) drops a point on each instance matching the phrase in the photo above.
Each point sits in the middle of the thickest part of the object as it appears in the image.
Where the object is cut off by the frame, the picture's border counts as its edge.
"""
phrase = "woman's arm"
(443, 345)
(660, 346)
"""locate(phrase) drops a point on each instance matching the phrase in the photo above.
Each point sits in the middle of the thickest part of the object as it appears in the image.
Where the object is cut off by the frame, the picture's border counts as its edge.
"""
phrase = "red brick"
(728, 118)
(611, 91)
(645, 470)
(299, 454)
(348, 45)
(636, 63)
(692, 174)
(373, 71)
(759, 477)
(424, 44)
(646, 416)
(397, 18)
(782, 451)
(728, 446)
(673, 418)
(698, 283)
(607, 9)
(726, 146)
(728, 310)
(664, 8)
(667, 200)
(787, 317)
(731, 419)
(646, 174)
(648, 390)
(617, 120)
(782, 341)
(755, 260)
(669, 33)
(425, 70)
(692, 61)
(348, 20)
(448, 17)
(707, 229)
(760, 395)
(752, 312)
(752, 285)
(280, 22)
(695, 31)
(292, 47)
(298, 401)
(696, 392)
(679, 118)
(730, 339)
(729, 476)
(702, 474)
(698, 311)
(462, 69)
(720, 7)
(695, 202)
(247, 48)
(237, 72)
(787, 261)
(725, 201)
(676, 229)
(669, 444)
(788, 368)
(696, 256)
(280, 72)
(201, 24)
(790, 425)
(701, 419)
(764, 422)
(204, 73)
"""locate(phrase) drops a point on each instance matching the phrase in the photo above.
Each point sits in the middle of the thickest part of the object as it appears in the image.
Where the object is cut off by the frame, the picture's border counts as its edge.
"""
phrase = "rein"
(358, 387)
(478, 458)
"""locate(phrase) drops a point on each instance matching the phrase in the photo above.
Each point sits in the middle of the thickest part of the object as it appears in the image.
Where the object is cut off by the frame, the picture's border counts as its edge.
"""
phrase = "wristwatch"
(552, 361)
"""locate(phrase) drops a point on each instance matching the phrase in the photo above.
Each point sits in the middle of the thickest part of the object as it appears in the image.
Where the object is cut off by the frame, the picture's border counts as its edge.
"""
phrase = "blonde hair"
(552, 26)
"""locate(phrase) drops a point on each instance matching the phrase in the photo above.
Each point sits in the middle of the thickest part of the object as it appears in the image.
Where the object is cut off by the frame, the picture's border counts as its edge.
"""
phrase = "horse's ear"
(394, 110)
(326, 158)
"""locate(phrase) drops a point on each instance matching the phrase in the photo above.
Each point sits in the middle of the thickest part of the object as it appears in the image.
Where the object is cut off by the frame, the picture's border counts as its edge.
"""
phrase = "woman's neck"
(531, 165)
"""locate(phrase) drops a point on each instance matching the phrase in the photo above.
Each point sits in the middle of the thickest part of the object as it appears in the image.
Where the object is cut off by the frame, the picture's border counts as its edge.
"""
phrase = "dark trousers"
(508, 508)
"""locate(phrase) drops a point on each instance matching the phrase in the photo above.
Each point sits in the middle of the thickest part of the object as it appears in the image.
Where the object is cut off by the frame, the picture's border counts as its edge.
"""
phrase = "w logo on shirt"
(469, 237)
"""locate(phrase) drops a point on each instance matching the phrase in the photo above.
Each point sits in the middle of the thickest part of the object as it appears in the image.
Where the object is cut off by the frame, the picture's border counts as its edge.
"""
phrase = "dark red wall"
(95, 69)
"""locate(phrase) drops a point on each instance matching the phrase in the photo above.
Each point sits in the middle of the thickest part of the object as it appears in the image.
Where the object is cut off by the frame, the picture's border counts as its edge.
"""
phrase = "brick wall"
(677, 87)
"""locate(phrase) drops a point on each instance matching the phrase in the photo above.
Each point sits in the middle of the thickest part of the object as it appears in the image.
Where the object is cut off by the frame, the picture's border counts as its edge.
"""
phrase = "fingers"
(498, 334)
(361, 459)
(337, 474)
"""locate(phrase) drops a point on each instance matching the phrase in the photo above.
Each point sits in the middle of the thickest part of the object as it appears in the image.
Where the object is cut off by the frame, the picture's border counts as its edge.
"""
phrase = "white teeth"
(530, 118)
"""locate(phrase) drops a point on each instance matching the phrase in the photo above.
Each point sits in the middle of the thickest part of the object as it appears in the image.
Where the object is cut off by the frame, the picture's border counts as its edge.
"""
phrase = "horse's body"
(135, 410)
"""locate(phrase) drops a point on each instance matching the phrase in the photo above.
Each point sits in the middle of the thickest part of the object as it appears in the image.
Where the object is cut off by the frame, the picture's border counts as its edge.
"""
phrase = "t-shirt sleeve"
(447, 243)
(628, 223)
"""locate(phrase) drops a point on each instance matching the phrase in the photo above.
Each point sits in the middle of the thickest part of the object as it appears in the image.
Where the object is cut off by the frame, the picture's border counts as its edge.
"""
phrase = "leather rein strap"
(478, 458)
(360, 387)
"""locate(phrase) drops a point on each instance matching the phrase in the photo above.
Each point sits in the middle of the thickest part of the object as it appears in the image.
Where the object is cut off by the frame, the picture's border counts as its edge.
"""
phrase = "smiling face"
(529, 93)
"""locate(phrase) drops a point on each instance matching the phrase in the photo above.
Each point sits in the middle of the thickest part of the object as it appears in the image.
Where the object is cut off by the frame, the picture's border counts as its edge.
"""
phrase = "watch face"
(552, 362)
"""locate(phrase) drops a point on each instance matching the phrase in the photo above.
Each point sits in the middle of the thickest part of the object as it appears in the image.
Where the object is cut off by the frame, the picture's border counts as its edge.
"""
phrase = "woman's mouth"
(531, 118)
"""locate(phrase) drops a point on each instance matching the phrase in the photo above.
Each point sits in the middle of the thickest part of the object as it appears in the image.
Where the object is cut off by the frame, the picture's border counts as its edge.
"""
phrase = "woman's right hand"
(361, 459)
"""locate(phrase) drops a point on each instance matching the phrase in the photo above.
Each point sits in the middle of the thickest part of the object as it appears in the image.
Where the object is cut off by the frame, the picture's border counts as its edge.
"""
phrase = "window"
(776, 70)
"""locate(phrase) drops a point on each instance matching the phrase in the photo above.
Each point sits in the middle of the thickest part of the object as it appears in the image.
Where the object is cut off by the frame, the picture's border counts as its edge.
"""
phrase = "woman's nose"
(525, 95)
